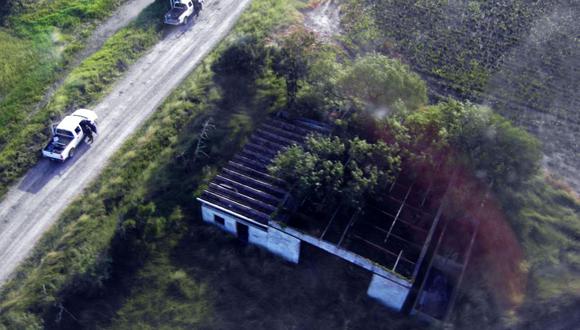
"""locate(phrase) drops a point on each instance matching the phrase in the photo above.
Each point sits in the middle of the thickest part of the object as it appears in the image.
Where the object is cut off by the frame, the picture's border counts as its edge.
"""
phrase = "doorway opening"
(243, 232)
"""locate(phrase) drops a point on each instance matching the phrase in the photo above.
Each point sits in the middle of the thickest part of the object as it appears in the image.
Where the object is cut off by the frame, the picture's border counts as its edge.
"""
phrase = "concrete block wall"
(389, 289)
(285, 242)
(208, 215)
(284, 245)
(388, 292)
(273, 240)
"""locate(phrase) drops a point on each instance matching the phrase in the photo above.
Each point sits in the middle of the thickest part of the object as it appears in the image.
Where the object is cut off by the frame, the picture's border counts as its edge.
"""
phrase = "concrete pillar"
(387, 292)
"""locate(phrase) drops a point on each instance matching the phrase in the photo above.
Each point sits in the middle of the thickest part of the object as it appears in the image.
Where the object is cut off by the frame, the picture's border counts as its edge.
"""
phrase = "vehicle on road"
(69, 134)
(182, 11)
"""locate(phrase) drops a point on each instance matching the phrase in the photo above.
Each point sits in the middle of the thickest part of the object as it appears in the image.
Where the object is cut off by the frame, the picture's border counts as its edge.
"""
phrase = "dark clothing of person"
(88, 133)
(88, 128)
(197, 6)
(91, 126)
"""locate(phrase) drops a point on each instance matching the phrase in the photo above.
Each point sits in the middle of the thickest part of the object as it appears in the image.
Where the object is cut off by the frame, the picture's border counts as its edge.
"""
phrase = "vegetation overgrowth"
(334, 169)
(132, 251)
(21, 140)
(520, 57)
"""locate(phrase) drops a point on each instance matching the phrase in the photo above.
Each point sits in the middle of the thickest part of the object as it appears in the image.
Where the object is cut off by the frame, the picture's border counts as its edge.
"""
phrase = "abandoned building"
(403, 239)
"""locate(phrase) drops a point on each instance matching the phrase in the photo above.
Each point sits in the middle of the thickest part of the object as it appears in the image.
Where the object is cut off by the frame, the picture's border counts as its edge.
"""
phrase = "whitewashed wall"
(275, 241)
(284, 242)
(207, 213)
(388, 292)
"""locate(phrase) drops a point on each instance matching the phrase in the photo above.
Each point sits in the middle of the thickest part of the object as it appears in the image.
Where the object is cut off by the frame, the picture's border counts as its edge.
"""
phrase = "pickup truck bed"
(57, 147)
(175, 12)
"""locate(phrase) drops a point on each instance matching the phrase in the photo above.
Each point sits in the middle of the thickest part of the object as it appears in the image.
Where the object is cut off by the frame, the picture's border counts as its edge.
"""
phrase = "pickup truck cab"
(182, 11)
(67, 135)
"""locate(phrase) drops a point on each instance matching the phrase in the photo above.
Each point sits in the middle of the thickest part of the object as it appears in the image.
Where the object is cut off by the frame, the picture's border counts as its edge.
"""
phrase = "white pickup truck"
(182, 11)
(68, 134)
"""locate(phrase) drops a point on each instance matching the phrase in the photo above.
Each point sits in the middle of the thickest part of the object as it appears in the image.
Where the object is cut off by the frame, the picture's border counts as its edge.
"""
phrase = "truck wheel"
(71, 153)
(186, 21)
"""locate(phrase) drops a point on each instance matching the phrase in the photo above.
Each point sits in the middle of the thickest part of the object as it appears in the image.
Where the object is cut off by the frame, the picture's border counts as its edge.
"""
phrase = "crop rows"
(522, 57)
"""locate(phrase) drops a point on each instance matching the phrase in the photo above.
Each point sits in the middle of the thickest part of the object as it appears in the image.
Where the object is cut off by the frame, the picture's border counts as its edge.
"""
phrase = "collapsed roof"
(244, 185)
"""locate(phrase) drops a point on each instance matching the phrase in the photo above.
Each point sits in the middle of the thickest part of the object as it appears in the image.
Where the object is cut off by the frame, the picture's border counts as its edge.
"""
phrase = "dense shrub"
(333, 170)
(381, 82)
(497, 151)
(238, 67)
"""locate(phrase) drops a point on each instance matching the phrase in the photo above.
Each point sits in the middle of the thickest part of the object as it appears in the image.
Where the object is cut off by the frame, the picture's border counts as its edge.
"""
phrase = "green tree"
(371, 167)
(316, 170)
(238, 67)
(382, 82)
(292, 60)
(493, 147)
(320, 90)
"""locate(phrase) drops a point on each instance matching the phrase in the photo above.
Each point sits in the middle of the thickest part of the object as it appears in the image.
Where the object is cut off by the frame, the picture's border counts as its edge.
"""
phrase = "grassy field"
(41, 36)
(24, 132)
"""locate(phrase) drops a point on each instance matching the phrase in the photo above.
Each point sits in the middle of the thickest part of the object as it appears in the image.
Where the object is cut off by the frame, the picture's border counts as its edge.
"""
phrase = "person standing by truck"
(197, 6)
(88, 129)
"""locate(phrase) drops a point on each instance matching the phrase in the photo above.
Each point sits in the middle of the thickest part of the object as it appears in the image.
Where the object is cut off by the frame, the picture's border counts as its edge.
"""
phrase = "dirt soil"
(538, 84)
(37, 201)
(324, 19)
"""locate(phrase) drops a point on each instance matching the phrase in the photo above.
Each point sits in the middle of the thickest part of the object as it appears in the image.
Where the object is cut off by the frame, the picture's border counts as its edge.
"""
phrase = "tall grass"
(17, 59)
(22, 138)
(547, 221)
(72, 16)
(38, 40)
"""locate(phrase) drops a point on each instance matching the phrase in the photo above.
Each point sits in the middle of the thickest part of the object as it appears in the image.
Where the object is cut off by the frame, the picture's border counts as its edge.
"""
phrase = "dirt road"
(37, 201)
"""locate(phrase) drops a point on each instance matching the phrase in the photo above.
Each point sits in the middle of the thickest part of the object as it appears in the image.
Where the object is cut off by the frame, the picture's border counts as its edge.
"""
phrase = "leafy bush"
(332, 170)
(238, 67)
(496, 150)
(381, 82)
(292, 60)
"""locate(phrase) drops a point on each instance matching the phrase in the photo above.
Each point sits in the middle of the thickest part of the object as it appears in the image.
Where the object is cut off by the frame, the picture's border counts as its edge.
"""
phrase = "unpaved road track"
(36, 202)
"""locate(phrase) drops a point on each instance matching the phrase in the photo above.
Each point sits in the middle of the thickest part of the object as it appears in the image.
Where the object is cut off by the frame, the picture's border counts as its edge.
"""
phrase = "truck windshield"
(180, 6)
